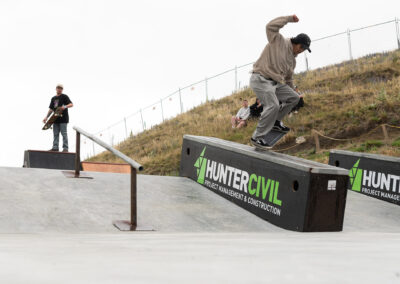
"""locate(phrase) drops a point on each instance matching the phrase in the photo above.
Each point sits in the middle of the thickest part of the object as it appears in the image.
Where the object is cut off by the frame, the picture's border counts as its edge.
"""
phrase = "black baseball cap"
(302, 39)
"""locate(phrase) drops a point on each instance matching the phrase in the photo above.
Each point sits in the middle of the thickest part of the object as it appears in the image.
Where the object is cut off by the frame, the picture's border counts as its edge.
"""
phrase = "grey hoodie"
(277, 61)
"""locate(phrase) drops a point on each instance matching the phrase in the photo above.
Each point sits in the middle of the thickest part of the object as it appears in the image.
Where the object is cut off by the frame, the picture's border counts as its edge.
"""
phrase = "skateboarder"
(272, 80)
(60, 125)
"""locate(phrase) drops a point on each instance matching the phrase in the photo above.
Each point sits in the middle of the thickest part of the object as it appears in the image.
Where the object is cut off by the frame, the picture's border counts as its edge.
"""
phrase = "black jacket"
(255, 111)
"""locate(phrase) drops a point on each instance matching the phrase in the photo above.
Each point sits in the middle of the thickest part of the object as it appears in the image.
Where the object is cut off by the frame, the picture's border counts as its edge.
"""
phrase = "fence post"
(162, 110)
(236, 79)
(306, 59)
(206, 85)
(397, 32)
(141, 116)
(126, 130)
(385, 133)
(316, 140)
(180, 100)
(349, 42)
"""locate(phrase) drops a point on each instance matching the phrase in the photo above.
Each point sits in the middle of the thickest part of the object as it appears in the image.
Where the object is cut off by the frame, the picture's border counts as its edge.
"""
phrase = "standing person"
(239, 120)
(272, 80)
(60, 125)
(256, 109)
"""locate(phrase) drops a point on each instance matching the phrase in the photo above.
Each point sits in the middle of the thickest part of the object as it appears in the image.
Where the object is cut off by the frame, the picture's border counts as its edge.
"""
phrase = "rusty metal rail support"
(122, 225)
(133, 198)
(78, 155)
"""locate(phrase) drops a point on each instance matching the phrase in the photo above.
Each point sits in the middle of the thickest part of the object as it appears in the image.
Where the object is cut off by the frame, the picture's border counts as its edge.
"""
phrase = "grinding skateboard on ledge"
(272, 81)
(271, 138)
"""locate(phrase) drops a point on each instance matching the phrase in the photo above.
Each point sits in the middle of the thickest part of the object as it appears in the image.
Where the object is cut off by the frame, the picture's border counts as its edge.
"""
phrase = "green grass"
(369, 145)
(396, 143)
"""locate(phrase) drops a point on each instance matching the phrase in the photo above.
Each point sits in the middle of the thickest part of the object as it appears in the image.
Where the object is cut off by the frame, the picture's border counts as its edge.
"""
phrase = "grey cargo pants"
(270, 94)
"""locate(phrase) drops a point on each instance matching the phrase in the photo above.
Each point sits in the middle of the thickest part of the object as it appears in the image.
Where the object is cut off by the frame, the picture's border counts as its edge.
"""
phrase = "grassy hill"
(343, 101)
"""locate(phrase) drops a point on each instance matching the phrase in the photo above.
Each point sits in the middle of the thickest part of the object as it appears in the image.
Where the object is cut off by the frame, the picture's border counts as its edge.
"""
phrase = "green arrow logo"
(355, 175)
(200, 166)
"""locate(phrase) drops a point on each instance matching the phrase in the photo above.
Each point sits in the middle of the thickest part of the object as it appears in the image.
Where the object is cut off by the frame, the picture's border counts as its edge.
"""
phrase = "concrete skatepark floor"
(59, 230)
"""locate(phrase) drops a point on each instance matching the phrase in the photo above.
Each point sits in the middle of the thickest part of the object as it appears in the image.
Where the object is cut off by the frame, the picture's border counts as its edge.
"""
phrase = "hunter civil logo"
(256, 190)
(375, 183)
(355, 175)
(200, 165)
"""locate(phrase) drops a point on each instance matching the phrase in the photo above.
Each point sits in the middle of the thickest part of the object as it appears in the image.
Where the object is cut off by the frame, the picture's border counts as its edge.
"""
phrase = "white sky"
(115, 57)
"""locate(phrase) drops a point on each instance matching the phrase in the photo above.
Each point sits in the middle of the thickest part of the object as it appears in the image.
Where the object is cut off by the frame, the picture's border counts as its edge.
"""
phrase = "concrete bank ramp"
(39, 200)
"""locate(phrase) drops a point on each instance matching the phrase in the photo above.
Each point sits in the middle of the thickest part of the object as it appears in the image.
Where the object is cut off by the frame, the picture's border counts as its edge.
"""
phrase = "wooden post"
(385, 133)
(316, 140)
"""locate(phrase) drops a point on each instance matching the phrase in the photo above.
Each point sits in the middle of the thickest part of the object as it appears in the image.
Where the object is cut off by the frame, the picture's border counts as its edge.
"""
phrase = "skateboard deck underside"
(53, 118)
(272, 138)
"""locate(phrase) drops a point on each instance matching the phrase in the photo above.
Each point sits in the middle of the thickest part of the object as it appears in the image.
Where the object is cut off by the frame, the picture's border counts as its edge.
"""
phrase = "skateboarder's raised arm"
(275, 25)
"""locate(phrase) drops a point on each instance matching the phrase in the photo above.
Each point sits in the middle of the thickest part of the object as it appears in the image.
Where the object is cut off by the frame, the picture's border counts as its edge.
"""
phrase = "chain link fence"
(331, 49)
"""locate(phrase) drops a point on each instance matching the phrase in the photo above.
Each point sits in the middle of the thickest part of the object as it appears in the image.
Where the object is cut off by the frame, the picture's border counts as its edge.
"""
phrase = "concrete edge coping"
(270, 156)
(367, 155)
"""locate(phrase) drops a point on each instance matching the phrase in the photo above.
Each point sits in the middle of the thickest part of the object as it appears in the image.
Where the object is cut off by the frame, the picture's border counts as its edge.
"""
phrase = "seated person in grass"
(256, 109)
(239, 120)
(300, 104)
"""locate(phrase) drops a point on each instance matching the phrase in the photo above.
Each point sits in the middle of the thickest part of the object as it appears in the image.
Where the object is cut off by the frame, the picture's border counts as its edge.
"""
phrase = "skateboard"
(56, 114)
(272, 138)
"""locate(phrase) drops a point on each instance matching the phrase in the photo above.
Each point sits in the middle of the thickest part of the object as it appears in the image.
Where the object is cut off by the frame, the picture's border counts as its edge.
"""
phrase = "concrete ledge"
(49, 160)
(290, 192)
(377, 176)
(269, 156)
(366, 155)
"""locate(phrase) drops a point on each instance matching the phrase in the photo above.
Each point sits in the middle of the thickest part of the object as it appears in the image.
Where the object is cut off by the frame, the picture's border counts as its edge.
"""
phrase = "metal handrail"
(135, 166)
(117, 153)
